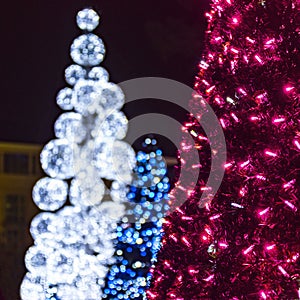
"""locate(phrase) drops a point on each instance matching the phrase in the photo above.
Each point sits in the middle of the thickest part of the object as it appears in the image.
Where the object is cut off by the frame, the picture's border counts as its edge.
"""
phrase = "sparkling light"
(74, 246)
(249, 74)
(87, 19)
(73, 73)
(50, 194)
(139, 242)
(87, 50)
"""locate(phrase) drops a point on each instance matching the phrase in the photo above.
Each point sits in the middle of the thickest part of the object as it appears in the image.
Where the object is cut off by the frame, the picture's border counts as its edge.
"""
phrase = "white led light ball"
(86, 191)
(64, 99)
(86, 95)
(69, 126)
(111, 97)
(98, 74)
(57, 159)
(50, 194)
(87, 19)
(73, 73)
(115, 125)
(87, 50)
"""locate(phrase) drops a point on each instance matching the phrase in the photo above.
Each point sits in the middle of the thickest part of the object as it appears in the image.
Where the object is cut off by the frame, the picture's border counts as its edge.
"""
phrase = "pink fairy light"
(235, 117)
(271, 41)
(223, 123)
(288, 88)
(196, 166)
(250, 40)
(185, 241)
(234, 50)
(289, 184)
(261, 96)
(193, 271)
(218, 38)
(208, 230)
(204, 238)
(271, 247)
(208, 16)
(242, 91)
(297, 144)
(261, 177)
(203, 138)
(269, 153)
(218, 100)
(248, 250)
(166, 263)
(223, 245)
(193, 133)
(205, 82)
(186, 218)
(237, 205)
(257, 57)
(179, 210)
(291, 205)
(235, 20)
(228, 165)
(244, 164)
(209, 278)
(279, 120)
(232, 65)
(150, 294)
(254, 118)
(246, 59)
(210, 89)
(215, 217)
(263, 212)
(203, 65)
(242, 192)
(283, 271)
(295, 257)
(207, 206)
(264, 296)
(173, 237)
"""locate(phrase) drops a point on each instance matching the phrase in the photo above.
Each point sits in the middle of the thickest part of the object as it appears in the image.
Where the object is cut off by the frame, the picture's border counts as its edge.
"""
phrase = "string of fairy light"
(249, 233)
(139, 241)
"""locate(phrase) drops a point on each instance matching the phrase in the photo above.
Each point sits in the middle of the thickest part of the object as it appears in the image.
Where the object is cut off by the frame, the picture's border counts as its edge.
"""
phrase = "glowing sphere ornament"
(57, 159)
(64, 99)
(87, 50)
(73, 73)
(87, 19)
(98, 74)
(50, 194)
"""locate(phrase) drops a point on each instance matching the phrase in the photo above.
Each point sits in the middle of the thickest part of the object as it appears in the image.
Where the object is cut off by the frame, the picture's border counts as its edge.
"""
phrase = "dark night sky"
(142, 38)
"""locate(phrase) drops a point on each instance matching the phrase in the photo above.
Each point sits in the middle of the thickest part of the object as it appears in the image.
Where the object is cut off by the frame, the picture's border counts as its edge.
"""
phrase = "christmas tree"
(139, 241)
(73, 240)
(245, 242)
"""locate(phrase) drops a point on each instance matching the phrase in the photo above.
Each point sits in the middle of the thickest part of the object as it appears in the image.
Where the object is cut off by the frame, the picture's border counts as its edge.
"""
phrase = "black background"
(142, 38)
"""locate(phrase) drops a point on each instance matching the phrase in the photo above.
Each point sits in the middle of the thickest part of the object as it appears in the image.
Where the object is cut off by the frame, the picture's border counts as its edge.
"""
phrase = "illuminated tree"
(139, 241)
(245, 243)
(73, 240)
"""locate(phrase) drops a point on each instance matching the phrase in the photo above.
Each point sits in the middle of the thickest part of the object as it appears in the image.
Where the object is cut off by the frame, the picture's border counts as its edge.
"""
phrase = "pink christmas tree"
(245, 243)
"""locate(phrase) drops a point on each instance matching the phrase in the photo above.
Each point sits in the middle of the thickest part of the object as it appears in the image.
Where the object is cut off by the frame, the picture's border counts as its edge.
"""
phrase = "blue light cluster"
(139, 241)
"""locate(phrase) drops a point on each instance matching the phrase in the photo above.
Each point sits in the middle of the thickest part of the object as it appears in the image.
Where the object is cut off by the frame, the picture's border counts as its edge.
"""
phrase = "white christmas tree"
(73, 239)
